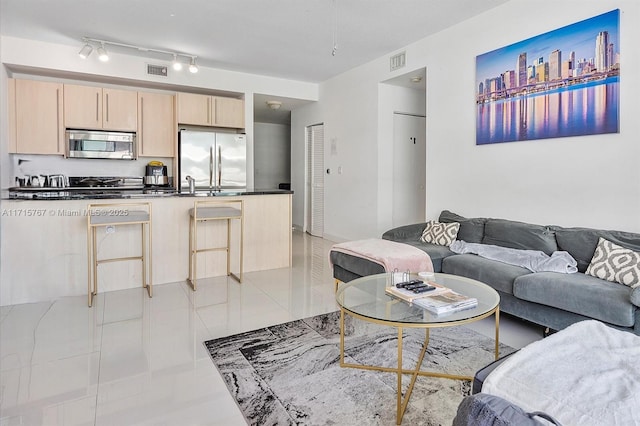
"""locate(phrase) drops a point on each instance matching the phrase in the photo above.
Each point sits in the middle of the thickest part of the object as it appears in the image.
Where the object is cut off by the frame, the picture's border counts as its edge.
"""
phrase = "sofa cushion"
(519, 235)
(578, 293)
(471, 230)
(615, 263)
(581, 242)
(442, 234)
(496, 274)
(635, 296)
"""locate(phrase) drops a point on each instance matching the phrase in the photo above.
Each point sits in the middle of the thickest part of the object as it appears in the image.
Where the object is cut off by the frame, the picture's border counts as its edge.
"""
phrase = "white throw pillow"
(442, 234)
(614, 263)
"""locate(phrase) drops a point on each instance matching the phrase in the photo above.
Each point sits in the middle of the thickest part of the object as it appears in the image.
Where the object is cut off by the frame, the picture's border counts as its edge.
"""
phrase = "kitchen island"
(44, 242)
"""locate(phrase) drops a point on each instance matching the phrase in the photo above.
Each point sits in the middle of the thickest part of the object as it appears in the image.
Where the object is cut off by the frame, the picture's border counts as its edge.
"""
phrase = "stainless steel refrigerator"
(214, 160)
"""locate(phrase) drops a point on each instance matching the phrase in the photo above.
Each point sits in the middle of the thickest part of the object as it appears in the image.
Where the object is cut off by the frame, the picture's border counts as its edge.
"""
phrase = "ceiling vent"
(398, 61)
(160, 70)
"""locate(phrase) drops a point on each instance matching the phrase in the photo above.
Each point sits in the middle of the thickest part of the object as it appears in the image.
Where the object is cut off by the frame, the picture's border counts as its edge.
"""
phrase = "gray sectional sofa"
(550, 299)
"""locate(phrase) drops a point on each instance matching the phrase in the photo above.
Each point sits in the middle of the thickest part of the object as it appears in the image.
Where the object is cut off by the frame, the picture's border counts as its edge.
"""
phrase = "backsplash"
(23, 165)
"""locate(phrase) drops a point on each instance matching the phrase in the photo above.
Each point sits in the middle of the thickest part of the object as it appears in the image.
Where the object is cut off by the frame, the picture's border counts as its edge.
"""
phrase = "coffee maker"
(156, 176)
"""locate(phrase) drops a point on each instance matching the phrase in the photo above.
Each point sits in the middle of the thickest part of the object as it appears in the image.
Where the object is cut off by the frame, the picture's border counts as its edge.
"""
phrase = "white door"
(409, 169)
(315, 180)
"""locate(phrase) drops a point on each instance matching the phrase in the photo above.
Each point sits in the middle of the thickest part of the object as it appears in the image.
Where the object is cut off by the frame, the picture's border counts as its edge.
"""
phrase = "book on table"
(446, 302)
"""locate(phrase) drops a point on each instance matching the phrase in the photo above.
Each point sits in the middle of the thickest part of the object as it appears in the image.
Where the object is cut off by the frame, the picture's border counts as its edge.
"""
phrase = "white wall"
(392, 99)
(589, 181)
(272, 155)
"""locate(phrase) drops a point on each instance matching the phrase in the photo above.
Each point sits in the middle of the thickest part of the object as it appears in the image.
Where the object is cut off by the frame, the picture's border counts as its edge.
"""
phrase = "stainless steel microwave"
(101, 144)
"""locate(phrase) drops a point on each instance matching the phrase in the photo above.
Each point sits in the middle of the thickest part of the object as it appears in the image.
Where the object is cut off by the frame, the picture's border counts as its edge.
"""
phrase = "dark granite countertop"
(44, 194)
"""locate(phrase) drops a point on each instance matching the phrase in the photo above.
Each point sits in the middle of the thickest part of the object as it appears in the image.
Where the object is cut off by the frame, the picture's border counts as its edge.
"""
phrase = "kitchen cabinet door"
(88, 107)
(195, 109)
(156, 125)
(82, 107)
(119, 110)
(38, 117)
(229, 112)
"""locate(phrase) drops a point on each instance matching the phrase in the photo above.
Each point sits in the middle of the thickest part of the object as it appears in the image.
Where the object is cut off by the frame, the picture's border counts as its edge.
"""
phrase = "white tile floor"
(131, 360)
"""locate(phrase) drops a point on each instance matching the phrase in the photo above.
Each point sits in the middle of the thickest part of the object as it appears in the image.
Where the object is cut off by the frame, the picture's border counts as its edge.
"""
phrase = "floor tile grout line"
(98, 384)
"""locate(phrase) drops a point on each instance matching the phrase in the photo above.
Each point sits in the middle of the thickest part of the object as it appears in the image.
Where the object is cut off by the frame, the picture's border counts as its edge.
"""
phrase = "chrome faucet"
(192, 184)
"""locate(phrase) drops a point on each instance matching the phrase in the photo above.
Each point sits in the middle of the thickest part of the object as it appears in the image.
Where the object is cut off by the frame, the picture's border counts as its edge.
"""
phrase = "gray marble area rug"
(290, 374)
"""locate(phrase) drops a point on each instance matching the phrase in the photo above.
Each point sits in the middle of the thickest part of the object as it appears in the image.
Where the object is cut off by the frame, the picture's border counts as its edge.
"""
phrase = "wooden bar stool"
(203, 211)
(110, 215)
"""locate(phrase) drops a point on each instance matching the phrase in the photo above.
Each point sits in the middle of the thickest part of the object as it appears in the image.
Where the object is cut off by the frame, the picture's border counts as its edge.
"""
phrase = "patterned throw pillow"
(614, 263)
(442, 234)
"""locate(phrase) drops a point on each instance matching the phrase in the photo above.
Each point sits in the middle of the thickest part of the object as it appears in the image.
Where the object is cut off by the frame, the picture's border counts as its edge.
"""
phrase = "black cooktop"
(103, 181)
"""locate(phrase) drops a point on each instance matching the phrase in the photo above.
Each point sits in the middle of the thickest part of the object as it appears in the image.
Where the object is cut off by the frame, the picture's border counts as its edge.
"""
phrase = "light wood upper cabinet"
(82, 107)
(195, 109)
(156, 125)
(205, 110)
(87, 107)
(229, 112)
(37, 126)
(119, 109)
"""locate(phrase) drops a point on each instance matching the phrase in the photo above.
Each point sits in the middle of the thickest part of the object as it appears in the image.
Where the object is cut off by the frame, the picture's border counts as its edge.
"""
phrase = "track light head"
(193, 68)
(85, 51)
(89, 44)
(177, 65)
(102, 53)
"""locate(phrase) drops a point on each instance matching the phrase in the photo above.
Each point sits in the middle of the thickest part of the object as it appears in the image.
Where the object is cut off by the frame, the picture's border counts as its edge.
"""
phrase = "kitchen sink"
(223, 193)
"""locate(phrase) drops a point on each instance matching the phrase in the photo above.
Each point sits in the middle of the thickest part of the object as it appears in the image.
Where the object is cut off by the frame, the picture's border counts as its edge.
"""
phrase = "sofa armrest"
(484, 409)
(411, 232)
(635, 296)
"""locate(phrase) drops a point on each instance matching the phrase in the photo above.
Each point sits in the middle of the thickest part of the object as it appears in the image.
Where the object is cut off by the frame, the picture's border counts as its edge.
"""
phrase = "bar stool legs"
(105, 215)
(214, 210)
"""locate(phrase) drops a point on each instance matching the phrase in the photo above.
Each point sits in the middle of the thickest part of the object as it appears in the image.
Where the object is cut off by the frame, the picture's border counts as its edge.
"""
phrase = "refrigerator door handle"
(219, 168)
(210, 167)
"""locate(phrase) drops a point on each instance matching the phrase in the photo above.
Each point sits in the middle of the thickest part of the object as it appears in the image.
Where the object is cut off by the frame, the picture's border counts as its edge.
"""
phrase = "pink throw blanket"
(390, 254)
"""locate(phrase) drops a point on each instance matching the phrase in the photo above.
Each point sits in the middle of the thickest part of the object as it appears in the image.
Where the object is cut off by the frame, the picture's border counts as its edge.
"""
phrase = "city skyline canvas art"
(558, 84)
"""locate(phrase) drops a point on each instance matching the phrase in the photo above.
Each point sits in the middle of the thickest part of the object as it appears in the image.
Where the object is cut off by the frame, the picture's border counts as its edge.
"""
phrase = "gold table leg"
(342, 338)
(401, 404)
(399, 408)
(497, 348)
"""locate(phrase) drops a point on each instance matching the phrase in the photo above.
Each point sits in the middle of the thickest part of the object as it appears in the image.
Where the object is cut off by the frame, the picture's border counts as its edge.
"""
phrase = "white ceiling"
(290, 39)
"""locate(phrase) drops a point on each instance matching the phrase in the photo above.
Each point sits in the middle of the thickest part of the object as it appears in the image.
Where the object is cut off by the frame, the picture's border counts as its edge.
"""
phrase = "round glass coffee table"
(365, 298)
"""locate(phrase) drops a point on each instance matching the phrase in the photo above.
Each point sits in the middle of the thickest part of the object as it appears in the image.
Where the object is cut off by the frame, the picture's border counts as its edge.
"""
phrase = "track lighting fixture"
(91, 43)
(192, 66)
(102, 53)
(177, 65)
(85, 51)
